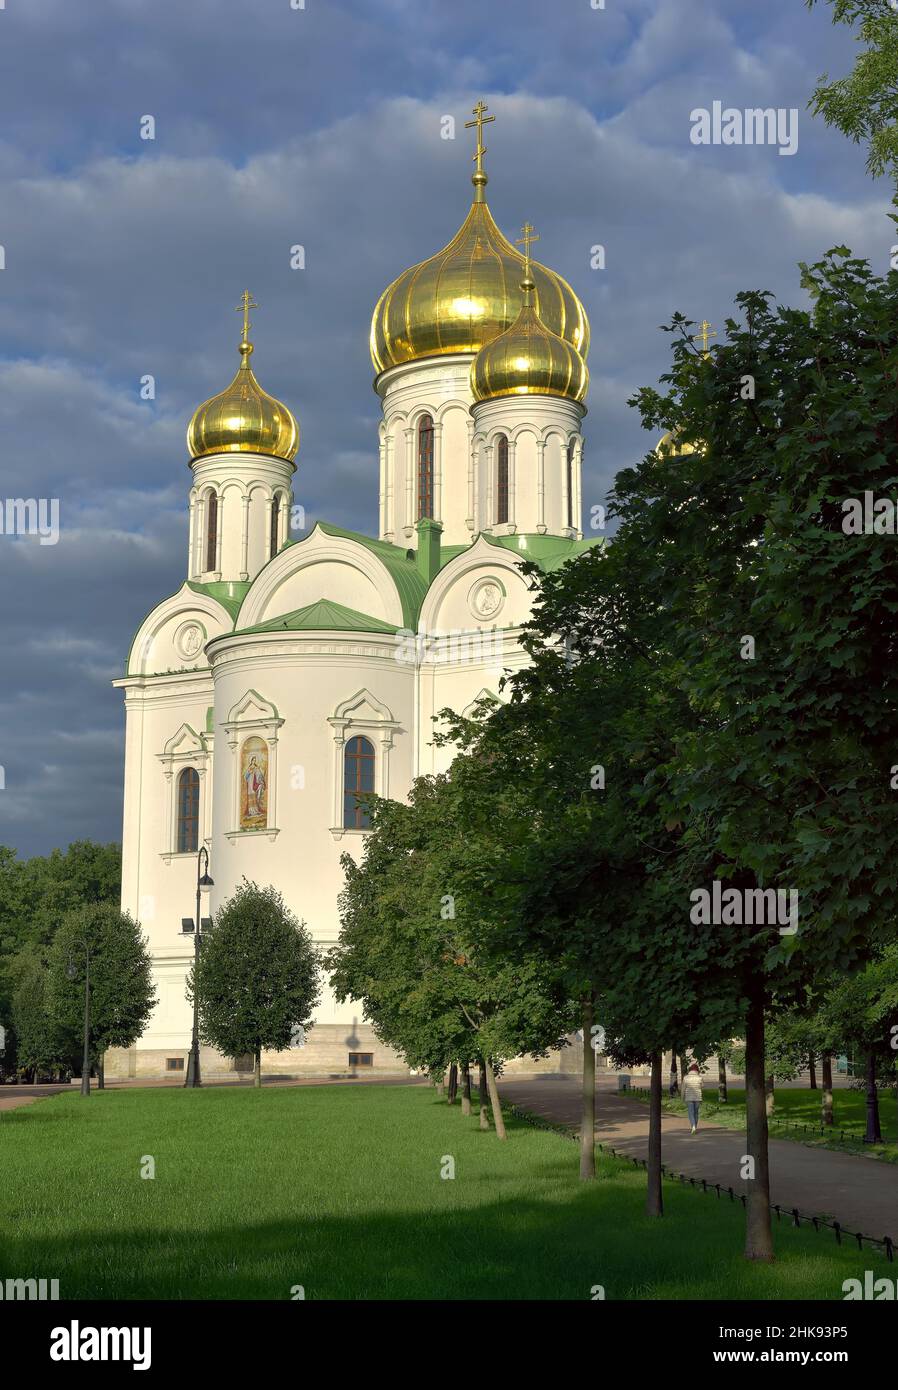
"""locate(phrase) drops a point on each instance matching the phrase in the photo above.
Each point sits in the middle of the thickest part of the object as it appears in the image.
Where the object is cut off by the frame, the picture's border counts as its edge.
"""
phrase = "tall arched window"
(211, 530)
(188, 811)
(569, 484)
(502, 479)
(425, 466)
(275, 527)
(358, 778)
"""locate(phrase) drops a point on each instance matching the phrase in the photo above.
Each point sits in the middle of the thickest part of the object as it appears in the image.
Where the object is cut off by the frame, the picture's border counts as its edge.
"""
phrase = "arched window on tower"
(502, 479)
(425, 466)
(569, 484)
(211, 530)
(275, 526)
(188, 811)
(358, 778)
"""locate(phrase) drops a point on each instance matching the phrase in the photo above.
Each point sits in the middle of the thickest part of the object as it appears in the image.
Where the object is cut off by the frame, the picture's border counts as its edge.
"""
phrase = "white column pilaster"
(541, 486)
(244, 538)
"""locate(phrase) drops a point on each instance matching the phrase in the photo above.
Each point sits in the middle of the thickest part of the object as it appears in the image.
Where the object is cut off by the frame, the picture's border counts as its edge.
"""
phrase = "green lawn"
(797, 1107)
(339, 1189)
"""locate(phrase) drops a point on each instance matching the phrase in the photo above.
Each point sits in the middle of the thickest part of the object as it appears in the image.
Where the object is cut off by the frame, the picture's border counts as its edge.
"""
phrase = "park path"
(861, 1193)
(13, 1097)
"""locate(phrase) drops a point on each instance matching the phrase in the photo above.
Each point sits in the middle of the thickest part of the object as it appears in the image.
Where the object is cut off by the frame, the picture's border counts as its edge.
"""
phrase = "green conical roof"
(324, 615)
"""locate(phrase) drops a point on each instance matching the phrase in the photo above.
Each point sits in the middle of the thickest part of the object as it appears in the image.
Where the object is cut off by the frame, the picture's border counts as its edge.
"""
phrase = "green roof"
(323, 615)
(401, 564)
(546, 551)
(230, 593)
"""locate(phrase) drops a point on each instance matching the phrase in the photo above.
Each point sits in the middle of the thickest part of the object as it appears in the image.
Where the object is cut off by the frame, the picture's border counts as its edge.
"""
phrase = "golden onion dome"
(243, 418)
(528, 359)
(669, 446)
(467, 294)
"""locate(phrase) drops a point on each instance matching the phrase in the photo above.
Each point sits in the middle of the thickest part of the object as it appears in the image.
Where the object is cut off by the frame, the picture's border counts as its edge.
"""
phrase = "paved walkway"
(859, 1192)
(13, 1097)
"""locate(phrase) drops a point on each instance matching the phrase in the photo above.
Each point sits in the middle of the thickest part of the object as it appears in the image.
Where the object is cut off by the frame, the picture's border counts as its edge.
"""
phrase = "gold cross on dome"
(526, 240)
(246, 303)
(480, 120)
(706, 334)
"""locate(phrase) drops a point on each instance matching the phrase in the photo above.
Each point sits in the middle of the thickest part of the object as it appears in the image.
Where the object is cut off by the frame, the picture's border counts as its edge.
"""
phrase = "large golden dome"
(243, 418)
(528, 359)
(467, 294)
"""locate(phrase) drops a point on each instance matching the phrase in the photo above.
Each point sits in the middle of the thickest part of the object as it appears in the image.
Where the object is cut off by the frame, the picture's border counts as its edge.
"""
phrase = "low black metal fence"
(795, 1217)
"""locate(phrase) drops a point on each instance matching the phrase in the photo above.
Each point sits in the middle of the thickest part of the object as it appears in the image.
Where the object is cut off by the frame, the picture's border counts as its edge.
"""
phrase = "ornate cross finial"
(706, 334)
(480, 120)
(526, 240)
(246, 303)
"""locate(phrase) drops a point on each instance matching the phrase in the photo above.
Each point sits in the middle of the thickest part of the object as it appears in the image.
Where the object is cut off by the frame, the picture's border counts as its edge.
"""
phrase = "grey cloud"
(124, 260)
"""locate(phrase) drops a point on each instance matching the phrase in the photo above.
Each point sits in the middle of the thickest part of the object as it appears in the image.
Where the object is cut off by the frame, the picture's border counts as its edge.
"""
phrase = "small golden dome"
(668, 446)
(243, 418)
(528, 359)
(466, 295)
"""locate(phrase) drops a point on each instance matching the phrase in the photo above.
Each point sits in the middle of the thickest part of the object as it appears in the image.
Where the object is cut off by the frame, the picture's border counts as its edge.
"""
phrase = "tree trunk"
(812, 1074)
(769, 1097)
(826, 1076)
(466, 1088)
(484, 1112)
(721, 1081)
(758, 1235)
(101, 1072)
(453, 1083)
(257, 1078)
(673, 1089)
(654, 1200)
(588, 1107)
(494, 1099)
(874, 1133)
(683, 1066)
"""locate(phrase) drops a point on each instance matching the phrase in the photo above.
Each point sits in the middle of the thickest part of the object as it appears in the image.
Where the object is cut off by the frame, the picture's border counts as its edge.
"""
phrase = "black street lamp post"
(203, 881)
(71, 971)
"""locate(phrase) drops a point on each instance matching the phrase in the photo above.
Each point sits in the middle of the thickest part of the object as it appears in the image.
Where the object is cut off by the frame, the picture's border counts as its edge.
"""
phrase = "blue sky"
(321, 126)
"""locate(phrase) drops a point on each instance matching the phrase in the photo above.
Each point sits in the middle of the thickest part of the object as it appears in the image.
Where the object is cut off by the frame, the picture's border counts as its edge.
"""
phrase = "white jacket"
(692, 1086)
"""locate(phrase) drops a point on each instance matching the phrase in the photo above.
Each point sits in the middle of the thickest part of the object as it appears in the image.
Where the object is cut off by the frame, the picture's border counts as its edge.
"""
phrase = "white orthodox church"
(292, 672)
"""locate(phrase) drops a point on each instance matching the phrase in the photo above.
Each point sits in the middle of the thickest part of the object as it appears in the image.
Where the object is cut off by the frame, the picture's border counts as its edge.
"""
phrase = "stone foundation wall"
(325, 1053)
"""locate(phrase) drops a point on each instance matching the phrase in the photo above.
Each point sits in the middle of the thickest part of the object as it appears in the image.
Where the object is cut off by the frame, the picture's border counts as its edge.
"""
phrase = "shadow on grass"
(513, 1250)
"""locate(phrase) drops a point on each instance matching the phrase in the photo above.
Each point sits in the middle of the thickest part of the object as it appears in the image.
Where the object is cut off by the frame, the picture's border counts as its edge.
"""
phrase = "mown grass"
(795, 1108)
(338, 1189)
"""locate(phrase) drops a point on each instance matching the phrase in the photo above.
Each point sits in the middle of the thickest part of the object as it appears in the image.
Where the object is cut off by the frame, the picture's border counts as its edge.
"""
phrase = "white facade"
(338, 636)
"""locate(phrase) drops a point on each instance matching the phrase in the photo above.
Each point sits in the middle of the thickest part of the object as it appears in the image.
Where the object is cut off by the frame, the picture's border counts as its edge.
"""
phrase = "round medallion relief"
(486, 598)
(189, 640)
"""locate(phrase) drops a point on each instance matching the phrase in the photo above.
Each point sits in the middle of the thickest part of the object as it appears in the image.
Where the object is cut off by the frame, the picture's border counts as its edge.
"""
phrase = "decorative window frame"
(362, 714)
(253, 714)
(186, 748)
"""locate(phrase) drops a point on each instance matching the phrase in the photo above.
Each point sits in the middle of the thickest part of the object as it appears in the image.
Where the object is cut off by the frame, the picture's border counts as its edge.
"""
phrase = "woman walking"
(692, 1094)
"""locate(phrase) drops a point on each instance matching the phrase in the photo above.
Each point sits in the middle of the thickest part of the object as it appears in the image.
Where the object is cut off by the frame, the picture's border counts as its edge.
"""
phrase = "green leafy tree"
(42, 1046)
(591, 879)
(412, 928)
(258, 977)
(122, 995)
(781, 620)
(36, 893)
(863, 1011)
(864, 104)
